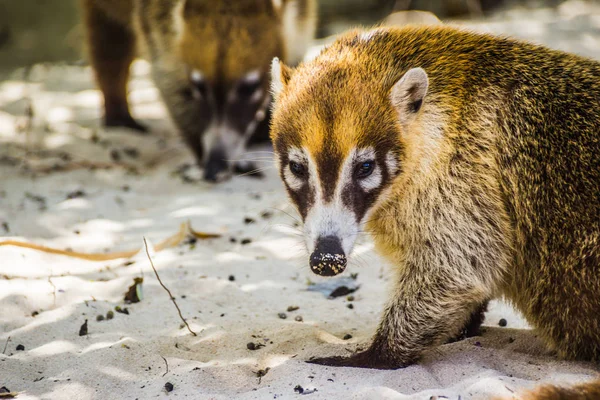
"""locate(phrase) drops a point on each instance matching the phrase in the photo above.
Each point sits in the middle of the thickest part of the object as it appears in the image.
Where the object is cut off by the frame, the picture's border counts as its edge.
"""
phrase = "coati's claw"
(364, 359)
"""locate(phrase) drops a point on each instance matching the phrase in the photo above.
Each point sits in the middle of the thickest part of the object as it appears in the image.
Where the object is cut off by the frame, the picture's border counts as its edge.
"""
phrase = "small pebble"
(110, 314)
(100, 318)
(169, 387)
(299, 389)
(83, 330)
(131, 152)
(232, 240)
(254, 346)
(115, 155)
(298, 318)
(124, 310)
(266, 214)
(350, 298)
(33, 314)
(246, 241)
(75, 194)
(341, 291)
(502, 322)
(262, 372)
(231, 278)
(20, 347)
(350, 306)
(347, 336)
(292, 308)
(282, 315)
(249, 220)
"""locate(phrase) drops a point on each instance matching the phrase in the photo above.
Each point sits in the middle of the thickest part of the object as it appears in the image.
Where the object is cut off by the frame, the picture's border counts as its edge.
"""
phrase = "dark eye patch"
(246, 88)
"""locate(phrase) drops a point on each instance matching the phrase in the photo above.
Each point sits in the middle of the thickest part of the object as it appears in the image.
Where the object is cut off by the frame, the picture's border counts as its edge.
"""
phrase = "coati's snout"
(328, 258)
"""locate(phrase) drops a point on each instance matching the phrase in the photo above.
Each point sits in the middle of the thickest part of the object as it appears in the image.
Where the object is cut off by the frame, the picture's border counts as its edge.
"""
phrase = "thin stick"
(167, 364)
(53, 289)
(168, 291)
(6, 345)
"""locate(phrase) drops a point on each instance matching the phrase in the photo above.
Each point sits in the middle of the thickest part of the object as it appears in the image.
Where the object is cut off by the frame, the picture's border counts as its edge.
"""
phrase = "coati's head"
(226, 48)
(337, 130)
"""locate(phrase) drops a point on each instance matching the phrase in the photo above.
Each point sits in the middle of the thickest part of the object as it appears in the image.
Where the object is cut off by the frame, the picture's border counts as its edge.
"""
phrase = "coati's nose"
(216, 166)
(328, 259)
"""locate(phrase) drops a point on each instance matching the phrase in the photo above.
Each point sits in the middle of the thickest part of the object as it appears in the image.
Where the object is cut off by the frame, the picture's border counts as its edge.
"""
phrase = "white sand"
(122, 357)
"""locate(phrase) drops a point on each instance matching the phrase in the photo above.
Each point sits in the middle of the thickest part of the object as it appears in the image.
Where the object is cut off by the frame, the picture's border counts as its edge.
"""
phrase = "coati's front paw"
(125, 121)
(364, 359)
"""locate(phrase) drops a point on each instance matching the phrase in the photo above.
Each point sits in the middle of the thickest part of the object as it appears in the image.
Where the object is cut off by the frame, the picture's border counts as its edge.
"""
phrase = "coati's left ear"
(408, 93)
(280, 76)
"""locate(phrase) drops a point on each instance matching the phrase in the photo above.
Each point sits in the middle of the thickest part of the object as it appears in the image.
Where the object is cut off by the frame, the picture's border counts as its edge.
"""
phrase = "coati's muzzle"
(328, 258)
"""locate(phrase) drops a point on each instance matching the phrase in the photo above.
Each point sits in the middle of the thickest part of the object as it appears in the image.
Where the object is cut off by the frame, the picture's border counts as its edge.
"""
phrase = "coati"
(210, 60)
(473, 161)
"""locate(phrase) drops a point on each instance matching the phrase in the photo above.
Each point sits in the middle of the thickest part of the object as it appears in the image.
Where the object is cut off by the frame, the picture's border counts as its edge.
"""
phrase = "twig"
(6, 345)
(185, 228)
(167, 364)
(54, 289)
(168, 291)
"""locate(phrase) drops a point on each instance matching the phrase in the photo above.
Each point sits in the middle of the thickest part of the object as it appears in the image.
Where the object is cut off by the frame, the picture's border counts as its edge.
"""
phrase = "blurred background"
(35, 31)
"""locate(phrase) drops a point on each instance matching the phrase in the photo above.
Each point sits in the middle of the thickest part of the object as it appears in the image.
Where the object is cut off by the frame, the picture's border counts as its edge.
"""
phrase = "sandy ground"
(231, 289)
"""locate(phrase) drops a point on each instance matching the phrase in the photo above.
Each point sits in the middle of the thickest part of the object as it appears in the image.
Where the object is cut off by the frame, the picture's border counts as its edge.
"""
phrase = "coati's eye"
(364, 169)
(297, 169)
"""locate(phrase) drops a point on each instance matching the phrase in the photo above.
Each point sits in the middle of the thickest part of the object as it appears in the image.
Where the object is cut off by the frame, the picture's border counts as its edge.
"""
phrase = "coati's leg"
(438, 287)
(425, 311)
(112, 49)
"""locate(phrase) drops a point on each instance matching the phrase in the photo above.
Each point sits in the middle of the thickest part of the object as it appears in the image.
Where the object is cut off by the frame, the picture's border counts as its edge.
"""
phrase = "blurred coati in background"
(210, 60)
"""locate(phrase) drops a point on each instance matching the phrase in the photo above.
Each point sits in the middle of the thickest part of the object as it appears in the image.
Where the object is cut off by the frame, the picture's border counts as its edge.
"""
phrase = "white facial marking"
(196, 76)
(252, 76)
(332, 218)
(257, 95)
(392, 163)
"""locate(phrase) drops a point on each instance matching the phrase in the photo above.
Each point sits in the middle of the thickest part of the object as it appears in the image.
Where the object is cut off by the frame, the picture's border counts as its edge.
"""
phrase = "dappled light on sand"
(76, 201)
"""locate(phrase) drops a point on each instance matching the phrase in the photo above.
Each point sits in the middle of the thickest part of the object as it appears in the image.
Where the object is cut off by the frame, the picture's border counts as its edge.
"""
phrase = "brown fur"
(222, 39)
(497, 193)
(585, 391)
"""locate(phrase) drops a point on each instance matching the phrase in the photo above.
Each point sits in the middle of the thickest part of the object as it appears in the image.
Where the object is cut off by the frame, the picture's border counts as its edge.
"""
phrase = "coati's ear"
(408, 93)
(280, 76)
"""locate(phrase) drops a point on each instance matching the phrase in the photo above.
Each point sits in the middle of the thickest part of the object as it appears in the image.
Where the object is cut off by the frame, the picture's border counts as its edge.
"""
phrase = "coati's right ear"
(408, 93)
(280, 76)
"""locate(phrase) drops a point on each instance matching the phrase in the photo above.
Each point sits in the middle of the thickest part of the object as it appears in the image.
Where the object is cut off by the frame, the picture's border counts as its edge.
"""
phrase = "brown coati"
(210, 61)
(474, 162)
